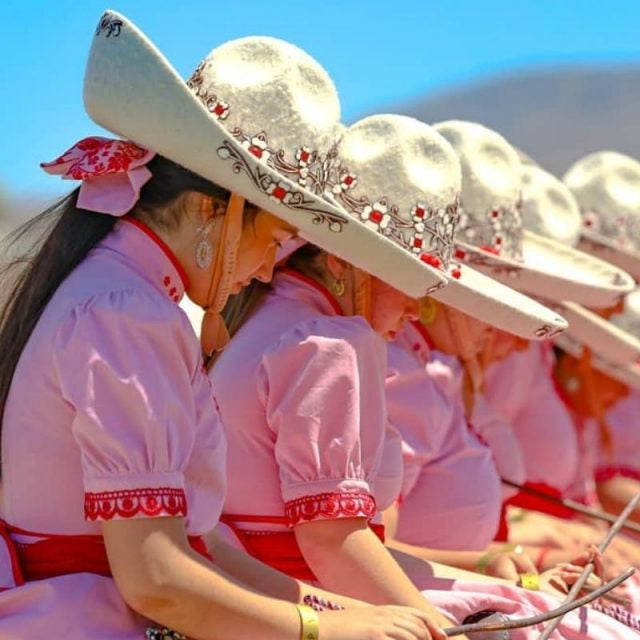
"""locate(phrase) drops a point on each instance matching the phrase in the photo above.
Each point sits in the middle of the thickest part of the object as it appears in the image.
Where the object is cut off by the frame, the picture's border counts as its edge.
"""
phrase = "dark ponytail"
(45, 250)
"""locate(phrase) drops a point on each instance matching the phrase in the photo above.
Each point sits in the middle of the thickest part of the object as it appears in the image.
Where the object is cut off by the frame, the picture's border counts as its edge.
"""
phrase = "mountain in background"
(554, 115)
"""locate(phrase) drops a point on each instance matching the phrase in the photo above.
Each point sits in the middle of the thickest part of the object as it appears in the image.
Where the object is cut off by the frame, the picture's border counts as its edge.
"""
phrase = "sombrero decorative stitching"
(491, 235)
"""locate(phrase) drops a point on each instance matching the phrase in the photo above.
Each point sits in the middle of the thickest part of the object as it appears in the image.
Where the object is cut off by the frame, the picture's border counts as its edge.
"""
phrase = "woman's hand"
(509, 564)
(564, 575)
(379, 623)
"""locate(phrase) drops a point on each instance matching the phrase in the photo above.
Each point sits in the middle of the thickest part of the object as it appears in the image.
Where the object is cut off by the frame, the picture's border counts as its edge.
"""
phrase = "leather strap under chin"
(214, 335)
(362, 294)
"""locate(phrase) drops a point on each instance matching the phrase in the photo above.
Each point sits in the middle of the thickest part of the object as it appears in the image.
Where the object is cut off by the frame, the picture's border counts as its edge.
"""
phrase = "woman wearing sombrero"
(306, 427)
(113, 454)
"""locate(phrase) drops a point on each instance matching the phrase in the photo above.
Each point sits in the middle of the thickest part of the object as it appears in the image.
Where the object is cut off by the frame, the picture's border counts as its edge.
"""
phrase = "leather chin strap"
(362, 294)
(214, 335)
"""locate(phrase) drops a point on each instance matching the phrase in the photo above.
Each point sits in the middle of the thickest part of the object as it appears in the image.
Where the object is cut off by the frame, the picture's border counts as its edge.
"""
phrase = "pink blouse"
(449, 474)
(624, 457)
(301, 394)
(110, 415)
(521, 389)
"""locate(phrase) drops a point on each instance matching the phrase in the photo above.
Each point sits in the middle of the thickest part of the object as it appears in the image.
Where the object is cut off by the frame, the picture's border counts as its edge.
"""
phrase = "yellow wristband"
(309, 623)
(530, 581)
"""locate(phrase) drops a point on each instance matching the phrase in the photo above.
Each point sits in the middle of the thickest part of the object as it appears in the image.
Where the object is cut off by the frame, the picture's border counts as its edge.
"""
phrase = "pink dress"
(624, 457)
(449, 474)
(521, 389)
(301, 394)
(296, 384)
(110, 415)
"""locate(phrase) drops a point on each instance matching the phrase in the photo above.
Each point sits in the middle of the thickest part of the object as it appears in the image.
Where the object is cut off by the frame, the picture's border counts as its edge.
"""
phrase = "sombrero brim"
(602, 337)
(606, 249)
(486, 299)
(133, 91)
(555, 271)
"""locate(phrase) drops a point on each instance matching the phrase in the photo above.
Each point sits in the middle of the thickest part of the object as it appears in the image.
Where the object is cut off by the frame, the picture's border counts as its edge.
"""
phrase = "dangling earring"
(204, 248)
(428, 310)
(338, 287)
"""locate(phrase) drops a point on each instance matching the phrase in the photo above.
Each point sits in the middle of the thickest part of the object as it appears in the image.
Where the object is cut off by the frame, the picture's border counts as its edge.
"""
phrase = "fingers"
(523, 563)
(503, 567)
(427, 625)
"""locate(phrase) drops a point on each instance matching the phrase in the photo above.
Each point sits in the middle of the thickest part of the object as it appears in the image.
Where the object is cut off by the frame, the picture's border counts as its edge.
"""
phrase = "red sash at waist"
(527, 500)
(278, 549)
(37, 556)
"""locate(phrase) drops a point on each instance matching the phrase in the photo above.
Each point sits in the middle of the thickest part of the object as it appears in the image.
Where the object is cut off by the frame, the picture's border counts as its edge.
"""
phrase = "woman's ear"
(337, 267)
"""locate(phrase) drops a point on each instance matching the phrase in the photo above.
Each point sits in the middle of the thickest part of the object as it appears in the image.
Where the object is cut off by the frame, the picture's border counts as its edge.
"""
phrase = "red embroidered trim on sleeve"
(352, 504)
(607, 473)
(160, 501)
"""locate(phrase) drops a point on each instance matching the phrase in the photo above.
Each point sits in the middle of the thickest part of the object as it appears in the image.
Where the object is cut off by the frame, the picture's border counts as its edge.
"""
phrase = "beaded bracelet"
(162, 633)
(320, 604)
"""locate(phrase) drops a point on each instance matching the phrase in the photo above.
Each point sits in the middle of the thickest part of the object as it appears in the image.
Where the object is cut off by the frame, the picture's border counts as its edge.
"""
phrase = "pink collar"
(316, 293)
(149, 255)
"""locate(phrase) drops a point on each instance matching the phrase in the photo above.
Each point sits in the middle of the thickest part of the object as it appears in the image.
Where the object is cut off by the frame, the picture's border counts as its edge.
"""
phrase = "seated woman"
(301, 386)
(113, 454)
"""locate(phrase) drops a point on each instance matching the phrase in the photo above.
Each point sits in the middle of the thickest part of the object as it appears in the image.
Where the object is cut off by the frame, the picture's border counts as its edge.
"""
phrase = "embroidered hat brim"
(498, 305)
(553, 270)
(601, 336)
(133, 91)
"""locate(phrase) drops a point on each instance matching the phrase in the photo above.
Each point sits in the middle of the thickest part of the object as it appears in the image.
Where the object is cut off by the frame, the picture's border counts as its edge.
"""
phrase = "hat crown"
(548, 207)
(606, 185)
(491, 188)
(402, 178)
(273, 98)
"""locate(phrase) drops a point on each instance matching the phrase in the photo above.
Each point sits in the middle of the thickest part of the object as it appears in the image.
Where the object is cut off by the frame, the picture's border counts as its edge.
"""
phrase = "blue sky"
(379, 53)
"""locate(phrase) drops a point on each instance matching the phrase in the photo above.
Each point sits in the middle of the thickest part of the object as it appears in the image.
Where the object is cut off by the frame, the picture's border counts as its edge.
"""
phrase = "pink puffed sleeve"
(126, 362)
(323, 388)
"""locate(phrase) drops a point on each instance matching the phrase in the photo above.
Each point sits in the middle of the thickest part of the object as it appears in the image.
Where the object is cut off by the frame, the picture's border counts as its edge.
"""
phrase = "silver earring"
(204, 249)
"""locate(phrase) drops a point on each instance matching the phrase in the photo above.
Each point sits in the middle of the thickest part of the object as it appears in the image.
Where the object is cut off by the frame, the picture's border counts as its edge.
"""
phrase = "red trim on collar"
(162, 245)
(420, 328)
(320, 288)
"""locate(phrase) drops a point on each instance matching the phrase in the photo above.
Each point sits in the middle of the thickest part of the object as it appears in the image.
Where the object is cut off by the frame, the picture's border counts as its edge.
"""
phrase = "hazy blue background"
(379, 53)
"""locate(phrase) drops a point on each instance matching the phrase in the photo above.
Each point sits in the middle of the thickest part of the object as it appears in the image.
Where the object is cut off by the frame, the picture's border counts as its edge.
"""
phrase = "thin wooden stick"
(589, 567)
(573, 505)
(541, 617)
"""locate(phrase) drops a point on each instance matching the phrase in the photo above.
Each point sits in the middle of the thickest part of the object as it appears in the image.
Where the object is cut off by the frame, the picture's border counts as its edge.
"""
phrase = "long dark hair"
(45, 250)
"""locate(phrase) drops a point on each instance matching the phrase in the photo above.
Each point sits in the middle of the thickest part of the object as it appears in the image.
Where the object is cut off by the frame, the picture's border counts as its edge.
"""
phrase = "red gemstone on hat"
(279, 192)
(419, 212)
(348, 181)
(498, 240)
(256, 151)
(304, 156)
(456, 274)
(460, 254)
(588, 223)
(219, 109)
(376, 216)
(417, 243)
(495, 213)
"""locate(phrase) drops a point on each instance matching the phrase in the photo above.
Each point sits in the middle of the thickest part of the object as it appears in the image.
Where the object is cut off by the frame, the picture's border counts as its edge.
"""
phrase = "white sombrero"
(607, 187)
(403, 179)
(258, 117)
(549, 209)
(491, 236)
